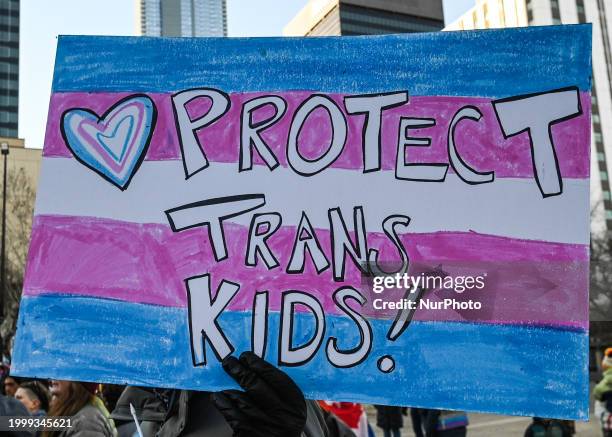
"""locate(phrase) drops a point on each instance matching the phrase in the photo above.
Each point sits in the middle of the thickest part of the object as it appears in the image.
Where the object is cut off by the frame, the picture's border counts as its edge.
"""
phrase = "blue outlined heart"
(115, 143)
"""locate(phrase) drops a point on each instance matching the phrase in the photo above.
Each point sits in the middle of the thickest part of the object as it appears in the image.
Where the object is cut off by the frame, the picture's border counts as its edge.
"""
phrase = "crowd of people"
(269, 405)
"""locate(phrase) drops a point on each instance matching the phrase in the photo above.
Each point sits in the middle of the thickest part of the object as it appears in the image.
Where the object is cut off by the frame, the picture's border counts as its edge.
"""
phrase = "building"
(181, 17)
(366, 17)
(23, 159)
(492, 14)
(9, 67)
(512, 13)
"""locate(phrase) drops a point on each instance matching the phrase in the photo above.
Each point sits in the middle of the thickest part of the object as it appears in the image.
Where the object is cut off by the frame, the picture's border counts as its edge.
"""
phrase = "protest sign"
(203, 197)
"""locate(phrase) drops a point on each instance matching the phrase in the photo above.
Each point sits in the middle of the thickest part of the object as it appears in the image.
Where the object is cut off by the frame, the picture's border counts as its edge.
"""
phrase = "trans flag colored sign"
(203, 197)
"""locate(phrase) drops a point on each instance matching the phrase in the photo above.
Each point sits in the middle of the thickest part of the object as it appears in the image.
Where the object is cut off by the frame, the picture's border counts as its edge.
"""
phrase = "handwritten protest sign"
(202, 197)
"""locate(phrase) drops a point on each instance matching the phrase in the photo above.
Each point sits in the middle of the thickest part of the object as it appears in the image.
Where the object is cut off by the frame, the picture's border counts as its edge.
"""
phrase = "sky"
(43, 20)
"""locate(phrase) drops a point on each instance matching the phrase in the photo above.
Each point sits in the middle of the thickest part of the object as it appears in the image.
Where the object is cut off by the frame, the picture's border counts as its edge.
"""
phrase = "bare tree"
(19, 211)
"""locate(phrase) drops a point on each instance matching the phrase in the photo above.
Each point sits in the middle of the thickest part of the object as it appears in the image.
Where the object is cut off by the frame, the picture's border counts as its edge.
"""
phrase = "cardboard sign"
(202, 197)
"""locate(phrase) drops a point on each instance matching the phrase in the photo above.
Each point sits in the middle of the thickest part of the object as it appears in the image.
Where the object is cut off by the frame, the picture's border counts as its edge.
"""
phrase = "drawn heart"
(114, 144)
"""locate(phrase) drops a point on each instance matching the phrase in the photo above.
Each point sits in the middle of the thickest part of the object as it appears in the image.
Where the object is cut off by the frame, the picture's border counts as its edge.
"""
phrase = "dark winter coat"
(89, 421)
(150, 409)
(193, 414)
(431, 424)
(389, 417)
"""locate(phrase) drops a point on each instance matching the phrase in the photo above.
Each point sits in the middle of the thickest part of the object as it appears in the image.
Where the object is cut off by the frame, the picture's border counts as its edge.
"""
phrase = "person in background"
(150, 406)
(4, 373)
(417, 416)
(443, 423)
(35, 396)
(12, 407)
(110, 393)
(389, 419)
(269, 405)
(77, 399)
(605, 385)
(547, 428)
(603, 395)
(351, 414)
(11, 384)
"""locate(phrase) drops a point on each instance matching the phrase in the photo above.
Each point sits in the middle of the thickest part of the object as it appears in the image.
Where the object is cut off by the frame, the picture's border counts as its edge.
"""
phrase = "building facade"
(512, 13)
(181, 17)
(9, 67)
(23, 159)
(366, 17)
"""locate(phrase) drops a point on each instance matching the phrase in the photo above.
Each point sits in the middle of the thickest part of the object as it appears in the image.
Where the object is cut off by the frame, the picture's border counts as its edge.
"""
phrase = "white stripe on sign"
(451, 205)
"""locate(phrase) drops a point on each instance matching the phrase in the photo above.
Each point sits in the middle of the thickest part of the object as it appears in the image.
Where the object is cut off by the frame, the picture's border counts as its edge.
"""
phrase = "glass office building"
(9, 67)
(489, 14)
(181, 17)
(366, 17)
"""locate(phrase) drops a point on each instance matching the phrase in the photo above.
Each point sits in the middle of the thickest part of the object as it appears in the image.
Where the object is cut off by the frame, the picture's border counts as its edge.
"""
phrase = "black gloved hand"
(272, 405)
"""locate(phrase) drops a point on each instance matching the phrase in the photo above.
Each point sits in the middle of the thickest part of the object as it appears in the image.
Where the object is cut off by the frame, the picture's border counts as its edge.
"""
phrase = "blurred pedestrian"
(12, 407)
(35, 396)
(444, 423)
(78, 400)
(110, 393)
(417, 416)
(351, 414)
(4, 373)
(389, 419)
(603, 395)
(11, 384)
(547, 428)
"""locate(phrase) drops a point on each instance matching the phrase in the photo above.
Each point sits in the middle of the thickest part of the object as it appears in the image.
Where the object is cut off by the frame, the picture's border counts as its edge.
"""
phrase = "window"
(598, 137)
(8, 101)
(603, 175)
(601, 156)
(595, 118)
(606, 195)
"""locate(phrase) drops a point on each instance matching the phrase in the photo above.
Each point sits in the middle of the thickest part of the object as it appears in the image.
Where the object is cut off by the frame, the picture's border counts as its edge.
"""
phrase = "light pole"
(4, 147)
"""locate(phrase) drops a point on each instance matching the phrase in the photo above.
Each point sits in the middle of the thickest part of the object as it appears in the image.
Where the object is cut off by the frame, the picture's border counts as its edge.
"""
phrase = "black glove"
(272, 405)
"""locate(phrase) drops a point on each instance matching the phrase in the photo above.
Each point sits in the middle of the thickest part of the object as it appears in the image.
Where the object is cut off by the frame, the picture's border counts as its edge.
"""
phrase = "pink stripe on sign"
(526, 281)
(481, 144)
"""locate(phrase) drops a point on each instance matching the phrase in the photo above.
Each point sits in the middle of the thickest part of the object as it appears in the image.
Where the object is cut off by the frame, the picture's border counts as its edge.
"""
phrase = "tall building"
(366, 17)
(9, 67)
(181, 17)
(510, 13)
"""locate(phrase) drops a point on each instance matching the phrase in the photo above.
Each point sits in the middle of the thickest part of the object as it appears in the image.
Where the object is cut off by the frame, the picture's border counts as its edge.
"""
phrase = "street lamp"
(4, 147)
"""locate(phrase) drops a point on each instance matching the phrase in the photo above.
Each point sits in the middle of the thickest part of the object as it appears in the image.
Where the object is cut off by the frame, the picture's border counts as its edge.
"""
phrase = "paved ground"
(491, 425)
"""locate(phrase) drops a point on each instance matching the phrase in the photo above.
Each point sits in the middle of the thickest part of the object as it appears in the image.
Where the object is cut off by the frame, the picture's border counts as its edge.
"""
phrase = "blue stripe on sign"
(529, 371)
(492, 63)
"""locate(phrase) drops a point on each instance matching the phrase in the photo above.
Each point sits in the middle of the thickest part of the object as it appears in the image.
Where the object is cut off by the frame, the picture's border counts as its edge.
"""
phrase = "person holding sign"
(271, 405)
